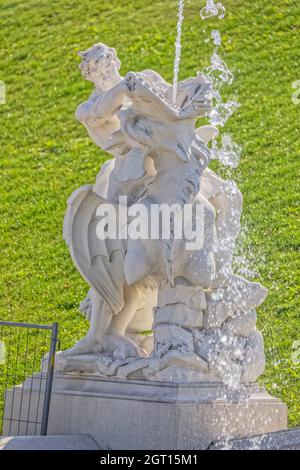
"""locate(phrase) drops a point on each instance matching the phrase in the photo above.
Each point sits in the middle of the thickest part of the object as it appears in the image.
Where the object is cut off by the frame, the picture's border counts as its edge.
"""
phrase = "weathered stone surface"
(186, 365)
(179, 314)
(180, 373)
(234, 359)
(167, 336)
(215, 315)
(242, 324)
(255, 360)
(281, 440)
(73, 442)
(192, 296)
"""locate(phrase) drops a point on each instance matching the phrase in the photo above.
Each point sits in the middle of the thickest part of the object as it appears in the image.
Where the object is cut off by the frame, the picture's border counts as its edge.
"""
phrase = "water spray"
(178, 48)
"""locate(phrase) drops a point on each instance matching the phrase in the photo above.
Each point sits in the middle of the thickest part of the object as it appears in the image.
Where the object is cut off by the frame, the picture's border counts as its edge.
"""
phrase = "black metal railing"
(25, 393)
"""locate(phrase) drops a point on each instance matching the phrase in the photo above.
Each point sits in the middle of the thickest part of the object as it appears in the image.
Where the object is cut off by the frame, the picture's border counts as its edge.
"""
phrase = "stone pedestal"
(130, 414)
(73, 442)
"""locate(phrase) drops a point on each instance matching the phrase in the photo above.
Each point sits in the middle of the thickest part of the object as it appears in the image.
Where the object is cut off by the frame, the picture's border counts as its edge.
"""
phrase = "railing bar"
(20, 378)
(40, 384)
(23, 421)
(14, 376)
(49, 382)
(24, 378)
(26, 325)
(31, 384)
(7, 369)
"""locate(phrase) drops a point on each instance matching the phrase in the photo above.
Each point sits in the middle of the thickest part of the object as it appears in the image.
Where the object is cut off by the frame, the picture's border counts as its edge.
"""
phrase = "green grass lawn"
(45, 154)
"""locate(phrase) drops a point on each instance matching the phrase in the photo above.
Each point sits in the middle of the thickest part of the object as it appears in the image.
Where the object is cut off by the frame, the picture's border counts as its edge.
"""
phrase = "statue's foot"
(145, 343)
(112, 345)
(84, 346)
(120, 348)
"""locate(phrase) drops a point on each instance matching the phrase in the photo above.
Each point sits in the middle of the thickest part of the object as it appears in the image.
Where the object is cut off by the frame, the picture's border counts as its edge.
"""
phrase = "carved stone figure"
(201, 314)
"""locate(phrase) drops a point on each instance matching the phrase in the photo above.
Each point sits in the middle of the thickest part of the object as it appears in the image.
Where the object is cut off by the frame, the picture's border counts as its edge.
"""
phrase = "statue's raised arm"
(100, 65)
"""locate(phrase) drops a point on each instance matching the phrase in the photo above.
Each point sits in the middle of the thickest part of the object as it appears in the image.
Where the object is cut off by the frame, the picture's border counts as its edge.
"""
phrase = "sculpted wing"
(100, 262)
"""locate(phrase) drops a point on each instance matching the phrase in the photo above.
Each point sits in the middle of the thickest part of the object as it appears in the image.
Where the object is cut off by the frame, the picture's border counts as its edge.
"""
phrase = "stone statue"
(200, 317)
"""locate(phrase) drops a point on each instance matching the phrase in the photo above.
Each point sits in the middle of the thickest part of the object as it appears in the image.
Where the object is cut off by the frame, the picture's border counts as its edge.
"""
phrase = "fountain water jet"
(178, 49)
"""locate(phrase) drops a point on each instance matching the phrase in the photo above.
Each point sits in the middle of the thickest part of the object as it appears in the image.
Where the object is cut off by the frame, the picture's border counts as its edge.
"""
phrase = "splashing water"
(213, 9)
(221, 112)
(219, 72)
(178, 49)
(216, 36)
(247, 261)
(230, 152)
(233, 251)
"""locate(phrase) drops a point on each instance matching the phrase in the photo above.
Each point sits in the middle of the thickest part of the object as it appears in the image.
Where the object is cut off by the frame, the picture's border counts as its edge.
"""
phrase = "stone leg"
(100, 319)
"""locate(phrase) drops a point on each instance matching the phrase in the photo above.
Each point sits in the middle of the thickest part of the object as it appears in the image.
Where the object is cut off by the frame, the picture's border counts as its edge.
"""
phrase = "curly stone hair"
(96, 54)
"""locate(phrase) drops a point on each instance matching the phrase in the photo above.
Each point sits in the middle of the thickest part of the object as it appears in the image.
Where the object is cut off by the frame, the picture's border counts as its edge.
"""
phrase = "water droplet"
(221, 112)
(216, 36)
(212, 9)
(219, 72)
(178, 49)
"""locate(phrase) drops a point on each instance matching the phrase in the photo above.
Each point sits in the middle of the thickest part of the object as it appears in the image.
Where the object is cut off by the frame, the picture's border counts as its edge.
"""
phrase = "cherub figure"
(110, 111)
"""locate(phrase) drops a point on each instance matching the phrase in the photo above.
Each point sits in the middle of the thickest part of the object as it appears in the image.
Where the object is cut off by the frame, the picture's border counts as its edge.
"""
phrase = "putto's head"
(99, 62)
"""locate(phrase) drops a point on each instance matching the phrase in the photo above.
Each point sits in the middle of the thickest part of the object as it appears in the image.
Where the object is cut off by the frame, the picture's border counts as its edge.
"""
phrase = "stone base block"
(281, 440)
(129, 414)
(74, 442)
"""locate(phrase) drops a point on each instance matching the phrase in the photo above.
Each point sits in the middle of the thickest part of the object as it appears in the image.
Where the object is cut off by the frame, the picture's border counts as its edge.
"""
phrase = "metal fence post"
(49, 380)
